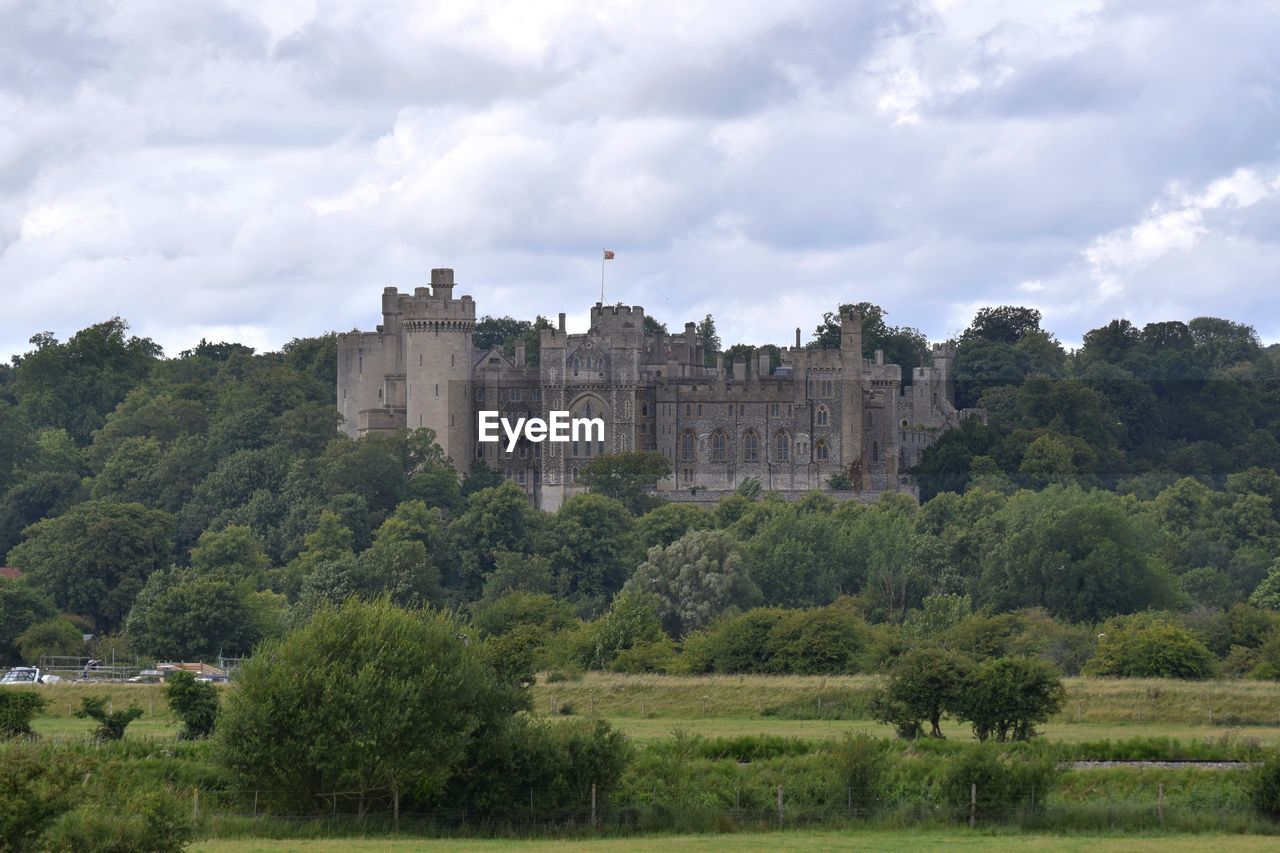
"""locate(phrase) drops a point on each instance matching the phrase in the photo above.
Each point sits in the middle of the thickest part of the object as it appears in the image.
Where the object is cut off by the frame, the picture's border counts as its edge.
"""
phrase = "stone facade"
(821, 413)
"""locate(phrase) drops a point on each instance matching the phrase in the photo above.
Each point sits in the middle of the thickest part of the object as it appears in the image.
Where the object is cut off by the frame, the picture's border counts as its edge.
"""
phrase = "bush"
(654, 656)
(1264, 786)
(17, 708)
(554, 762)
(735, 644)
(34, 789)
(1146, 646)
(154, 821)
(111, 724)
(630, 620)
(924, 684)
(862, 764)
(51, 637)
(1005, 780)
(823, 641)
(1005, 698)
(195, 703)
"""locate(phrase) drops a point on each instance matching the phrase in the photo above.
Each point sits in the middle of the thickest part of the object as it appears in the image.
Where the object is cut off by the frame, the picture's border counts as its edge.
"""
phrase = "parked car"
(24, 675)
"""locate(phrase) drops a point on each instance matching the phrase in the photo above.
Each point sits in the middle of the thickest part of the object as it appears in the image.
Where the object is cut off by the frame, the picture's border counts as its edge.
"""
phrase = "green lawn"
(905, 840)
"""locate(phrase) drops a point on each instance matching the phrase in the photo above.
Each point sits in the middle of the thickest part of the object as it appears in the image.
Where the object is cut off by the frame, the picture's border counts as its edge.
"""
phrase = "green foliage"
(924, 684)
(627, 477)
(509, 612)
(1264, 786)
(35, 788)
(111, 724)
(631, 620)
(94, 558)
(1146, 646)
(154, 820)
(1004, 780)
(695, 579)
(824, 641)
(182, 615)
(1006, 698)
(194, 702)
(17, 708)
(365, 697)
(51, 637)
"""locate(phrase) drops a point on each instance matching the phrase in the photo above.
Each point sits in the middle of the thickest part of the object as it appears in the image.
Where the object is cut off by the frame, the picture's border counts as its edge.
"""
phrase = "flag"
(608, 254)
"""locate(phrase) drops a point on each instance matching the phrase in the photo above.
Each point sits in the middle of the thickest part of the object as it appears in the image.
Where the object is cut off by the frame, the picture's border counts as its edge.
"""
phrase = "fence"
(71, 668)
(751, 807)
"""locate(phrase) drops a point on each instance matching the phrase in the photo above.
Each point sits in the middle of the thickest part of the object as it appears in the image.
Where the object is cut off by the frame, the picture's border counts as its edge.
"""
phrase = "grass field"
(905, 840)
(649, 707)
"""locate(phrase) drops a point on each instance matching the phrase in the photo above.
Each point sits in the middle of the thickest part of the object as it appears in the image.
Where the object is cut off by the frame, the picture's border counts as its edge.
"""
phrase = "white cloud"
(267, 168)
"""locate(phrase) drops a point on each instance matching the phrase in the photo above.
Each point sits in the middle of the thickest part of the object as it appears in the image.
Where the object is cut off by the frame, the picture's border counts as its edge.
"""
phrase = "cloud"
(262, 170)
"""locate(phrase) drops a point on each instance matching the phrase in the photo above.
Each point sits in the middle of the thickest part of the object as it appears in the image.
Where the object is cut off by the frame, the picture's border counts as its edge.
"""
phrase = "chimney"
(739, 369)
(520, 354)
(720, 364)
(562, 322)
(691, 338)
(762, 363)
(879, 356)
(797, 337)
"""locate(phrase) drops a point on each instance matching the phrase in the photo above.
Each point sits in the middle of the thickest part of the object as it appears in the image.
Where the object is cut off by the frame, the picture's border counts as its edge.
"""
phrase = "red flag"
(608, 254)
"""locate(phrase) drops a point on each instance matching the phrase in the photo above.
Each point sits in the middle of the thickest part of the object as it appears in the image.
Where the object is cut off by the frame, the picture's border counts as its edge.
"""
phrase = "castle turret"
(437, 332)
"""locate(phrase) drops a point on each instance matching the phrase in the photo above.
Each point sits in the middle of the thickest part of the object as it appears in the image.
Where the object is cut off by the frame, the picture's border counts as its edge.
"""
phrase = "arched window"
(575, 366)
(824, 417)
(573, 474)
(750, 446)
(782, 446)
(687, 442)
(718, 448)
(821, 451)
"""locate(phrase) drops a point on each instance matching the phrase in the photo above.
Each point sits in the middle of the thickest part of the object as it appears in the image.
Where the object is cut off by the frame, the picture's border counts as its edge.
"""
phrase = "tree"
(51, 637)
(194, 702)
(181, 615)
(21, 606)
(829, 640)
(1145, 646)
(631, 620)
(1005, 698)
(111, 724)
(404, 699)
(93, 559)
(627, 477)
(924, 684)
(496, 520)
(1006, 324)
(234, 553)
(668, 522)
(593, 548)
(709, 339)
(695, 579)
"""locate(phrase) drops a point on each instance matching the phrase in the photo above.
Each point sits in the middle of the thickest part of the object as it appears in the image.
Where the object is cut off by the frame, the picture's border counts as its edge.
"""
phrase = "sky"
(255, 172)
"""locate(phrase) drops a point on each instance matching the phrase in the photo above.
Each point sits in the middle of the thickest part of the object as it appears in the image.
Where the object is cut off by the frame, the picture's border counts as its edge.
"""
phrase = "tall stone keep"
(415, 370)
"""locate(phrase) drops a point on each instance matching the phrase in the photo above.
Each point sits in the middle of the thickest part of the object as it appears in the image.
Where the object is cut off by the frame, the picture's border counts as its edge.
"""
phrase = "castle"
(819, 414)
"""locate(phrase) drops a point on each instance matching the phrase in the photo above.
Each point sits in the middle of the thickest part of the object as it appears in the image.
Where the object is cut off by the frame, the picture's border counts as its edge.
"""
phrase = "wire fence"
(746, 807)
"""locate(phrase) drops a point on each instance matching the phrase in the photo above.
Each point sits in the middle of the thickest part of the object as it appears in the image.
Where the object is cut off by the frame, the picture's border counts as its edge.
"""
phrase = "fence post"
(335, 806)
(593, 803)
(849, 800)
(1160, 804)
(973, 804)
(779, 806)
(395, 807)
(255, 803)
(195, 802)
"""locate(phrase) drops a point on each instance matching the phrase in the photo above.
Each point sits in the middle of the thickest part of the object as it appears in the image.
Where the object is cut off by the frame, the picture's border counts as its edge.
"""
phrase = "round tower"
(437, 331)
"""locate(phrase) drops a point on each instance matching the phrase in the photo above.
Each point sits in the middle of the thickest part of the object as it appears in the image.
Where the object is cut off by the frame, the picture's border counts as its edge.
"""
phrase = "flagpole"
(602, 259)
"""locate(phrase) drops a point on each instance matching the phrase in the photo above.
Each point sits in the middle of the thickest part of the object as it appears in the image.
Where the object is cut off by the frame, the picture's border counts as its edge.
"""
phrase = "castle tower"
(437, 331)
(851, 409)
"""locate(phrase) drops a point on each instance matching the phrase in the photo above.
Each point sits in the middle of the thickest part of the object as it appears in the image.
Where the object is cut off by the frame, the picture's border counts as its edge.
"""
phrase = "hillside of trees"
(190, 506)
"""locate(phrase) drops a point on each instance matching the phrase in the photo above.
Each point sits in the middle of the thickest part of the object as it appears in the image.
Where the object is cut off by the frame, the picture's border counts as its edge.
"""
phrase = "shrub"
(630, 620)
(823, 641)
(195, 703)
(51, 637)
(1146, 646)
(35, 788)
(17, 708)
(1005, 780)
(111, 724)
(154, 821)
(514, 609)
(735, 644)
(1005, 698)
(1264, 786)
(653, 656)
(862, 764)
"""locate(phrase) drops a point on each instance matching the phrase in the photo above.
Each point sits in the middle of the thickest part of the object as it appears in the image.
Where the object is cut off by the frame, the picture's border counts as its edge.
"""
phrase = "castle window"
(515, 395)
(644, 409)
(750, 446)
(479, 450)
(868, 420)
(479, 395)
(536, 395)
(782, 446)
(575, 367)
(379, 393)
(686, 445)
(537, 476)
(718, 446)
(419, 359)
(699, 410)
(826, 387)
(537, 450)
(821, 451)
(452, 356)
(524, 452)
(773, 410)
(688, 409)
(437, 390)
(824, 417)
(520, 477)
(875, 452)
(802, 446)
(644, 427)
(575, 448)
(573, 474)
(600, 448)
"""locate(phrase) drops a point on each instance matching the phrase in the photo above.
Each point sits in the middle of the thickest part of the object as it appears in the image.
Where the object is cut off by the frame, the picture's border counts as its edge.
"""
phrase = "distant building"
(819, 414)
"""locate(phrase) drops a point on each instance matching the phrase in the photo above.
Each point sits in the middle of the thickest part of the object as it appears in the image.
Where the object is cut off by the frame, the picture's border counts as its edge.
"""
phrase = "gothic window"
(644, 409)
(688, 409)
(575, 366)
(821, 451)
(687, 441)
(699, 410)
(782, 446)
(824, 417)
(875, 452)
(750, 446)
(718, 446)
(573, 474)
